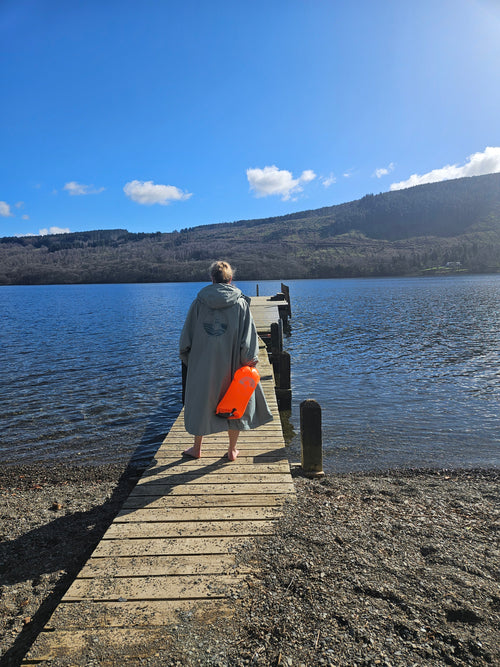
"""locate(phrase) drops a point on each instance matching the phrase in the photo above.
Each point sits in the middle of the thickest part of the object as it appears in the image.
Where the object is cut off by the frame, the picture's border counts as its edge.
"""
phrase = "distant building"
(453, 265)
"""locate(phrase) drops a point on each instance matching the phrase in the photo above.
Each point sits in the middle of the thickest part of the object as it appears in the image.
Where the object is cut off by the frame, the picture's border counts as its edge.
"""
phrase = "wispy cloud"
(75, 189)
(478, 164)
(328, 180)
(383, 171)
(54, 230)
(273, 181)
(149, 193)
(46, 232)
(5, 211)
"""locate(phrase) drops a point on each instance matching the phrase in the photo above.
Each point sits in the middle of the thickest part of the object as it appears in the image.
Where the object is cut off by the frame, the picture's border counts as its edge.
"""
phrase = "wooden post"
(285, 375)
(276, 339)
(311, 440)
(257, 291)
(286, 291)
(284, 388)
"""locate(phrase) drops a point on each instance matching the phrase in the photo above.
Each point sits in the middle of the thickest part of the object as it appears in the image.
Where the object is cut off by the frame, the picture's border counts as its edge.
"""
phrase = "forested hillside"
(447, 226)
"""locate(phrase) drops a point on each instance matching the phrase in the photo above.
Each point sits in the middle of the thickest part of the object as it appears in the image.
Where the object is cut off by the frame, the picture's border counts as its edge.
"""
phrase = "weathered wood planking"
(171, 549)
(265, 312)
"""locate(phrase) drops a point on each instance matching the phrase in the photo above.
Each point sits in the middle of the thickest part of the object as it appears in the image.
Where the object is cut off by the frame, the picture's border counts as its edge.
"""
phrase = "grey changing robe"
(218, 337)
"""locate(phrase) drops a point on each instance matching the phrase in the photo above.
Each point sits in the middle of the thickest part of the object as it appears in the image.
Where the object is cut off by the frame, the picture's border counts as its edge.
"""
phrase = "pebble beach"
(383, 568)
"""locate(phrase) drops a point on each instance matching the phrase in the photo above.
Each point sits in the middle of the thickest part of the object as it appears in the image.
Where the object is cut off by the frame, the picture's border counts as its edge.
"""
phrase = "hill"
(438, 227)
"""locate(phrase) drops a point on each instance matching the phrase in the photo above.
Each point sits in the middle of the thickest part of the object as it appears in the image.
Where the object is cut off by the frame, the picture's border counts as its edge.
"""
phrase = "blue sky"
(155, 115)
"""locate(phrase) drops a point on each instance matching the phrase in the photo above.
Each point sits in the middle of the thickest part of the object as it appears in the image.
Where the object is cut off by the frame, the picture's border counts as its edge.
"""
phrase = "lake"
(406, 370)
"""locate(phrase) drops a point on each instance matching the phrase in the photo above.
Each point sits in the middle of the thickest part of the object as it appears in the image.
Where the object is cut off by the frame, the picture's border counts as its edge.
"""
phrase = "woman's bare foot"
(232, 454)
(193, 452)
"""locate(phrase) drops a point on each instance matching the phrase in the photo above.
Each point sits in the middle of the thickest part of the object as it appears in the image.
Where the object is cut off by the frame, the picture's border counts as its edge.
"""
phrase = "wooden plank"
(181, 514)
(169, 546)
(99, 613)
(213, 489)
(133, 531)
(197, 479)
(218, 467)
(209, 457)
(126, 643)
(236, 468)
(267, 447)
(179, 546)
(134, 566)
(244, 459)
(193, 502)
(153, 588)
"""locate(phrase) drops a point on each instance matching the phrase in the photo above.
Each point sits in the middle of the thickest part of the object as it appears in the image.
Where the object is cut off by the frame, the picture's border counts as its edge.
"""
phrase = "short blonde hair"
(221, 272)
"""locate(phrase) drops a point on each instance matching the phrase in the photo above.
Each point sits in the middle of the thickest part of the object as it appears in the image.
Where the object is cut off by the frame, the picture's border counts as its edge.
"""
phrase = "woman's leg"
(232, 452)
(195, 450)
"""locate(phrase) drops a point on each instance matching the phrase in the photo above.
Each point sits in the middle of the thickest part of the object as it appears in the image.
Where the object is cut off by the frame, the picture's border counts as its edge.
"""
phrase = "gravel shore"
(393, 568)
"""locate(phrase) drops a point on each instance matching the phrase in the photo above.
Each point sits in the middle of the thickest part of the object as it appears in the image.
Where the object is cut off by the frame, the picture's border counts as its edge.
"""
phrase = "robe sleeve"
(186, 338)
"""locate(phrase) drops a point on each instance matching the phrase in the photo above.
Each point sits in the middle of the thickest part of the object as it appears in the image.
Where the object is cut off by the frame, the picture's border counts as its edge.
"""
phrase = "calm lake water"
(407, 371)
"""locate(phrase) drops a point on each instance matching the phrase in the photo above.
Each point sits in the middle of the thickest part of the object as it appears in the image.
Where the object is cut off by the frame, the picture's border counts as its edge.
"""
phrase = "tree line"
(434, 228)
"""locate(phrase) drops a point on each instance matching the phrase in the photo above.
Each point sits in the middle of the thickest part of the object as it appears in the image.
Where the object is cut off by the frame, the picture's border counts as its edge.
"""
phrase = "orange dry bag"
(236, 398)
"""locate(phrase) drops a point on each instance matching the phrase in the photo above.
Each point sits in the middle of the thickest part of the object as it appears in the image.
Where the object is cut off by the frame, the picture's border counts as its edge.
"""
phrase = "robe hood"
(219, 295)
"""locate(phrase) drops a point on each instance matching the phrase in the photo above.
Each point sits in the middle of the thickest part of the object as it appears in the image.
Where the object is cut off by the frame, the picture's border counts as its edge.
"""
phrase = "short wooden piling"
(284, 388)
(311, 439)
(276, 338)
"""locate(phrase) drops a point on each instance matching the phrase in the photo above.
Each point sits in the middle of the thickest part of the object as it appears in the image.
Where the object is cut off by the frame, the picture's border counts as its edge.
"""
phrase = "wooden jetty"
(271, 311)
(170, 554)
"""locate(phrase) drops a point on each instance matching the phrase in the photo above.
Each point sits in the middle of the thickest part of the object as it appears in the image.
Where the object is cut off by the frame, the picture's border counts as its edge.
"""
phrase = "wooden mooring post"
(276, 337)
(284, 386)
(311, 438)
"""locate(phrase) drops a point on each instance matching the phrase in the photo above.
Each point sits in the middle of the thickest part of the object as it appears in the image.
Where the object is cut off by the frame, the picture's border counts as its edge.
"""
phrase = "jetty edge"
(170, 553)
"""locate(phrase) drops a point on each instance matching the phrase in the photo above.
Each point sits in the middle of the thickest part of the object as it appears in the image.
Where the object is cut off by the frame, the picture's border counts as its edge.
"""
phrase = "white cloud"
(53, 230)
(328, 180)
(5, 211)
(383, 171)
(25, 217)
(74, 188)
(45, 232)
(148, 193)
(307, 176)
(477, 164)
(274, 181)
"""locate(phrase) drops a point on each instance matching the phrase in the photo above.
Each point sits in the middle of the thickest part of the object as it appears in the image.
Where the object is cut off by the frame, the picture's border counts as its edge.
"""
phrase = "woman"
(218, 337)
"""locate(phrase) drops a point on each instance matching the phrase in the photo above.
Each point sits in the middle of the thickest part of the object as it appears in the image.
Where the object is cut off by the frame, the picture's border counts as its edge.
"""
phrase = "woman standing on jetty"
(218, 337)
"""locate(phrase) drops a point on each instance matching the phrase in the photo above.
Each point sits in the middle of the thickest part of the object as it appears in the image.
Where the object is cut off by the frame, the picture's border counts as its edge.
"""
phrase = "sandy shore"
(389, 568)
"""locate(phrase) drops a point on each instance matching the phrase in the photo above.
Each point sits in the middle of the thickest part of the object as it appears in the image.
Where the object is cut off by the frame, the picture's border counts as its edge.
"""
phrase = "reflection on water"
(407, 371)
